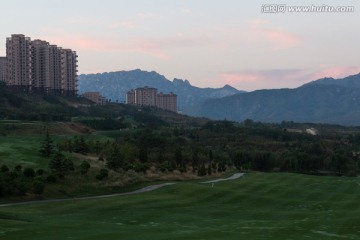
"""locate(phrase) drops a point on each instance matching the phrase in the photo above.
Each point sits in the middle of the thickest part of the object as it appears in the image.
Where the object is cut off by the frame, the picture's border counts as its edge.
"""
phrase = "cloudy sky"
(209, 42)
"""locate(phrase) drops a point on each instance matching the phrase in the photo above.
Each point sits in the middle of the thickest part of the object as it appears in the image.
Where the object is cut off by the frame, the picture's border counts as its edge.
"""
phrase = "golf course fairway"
(255, 206)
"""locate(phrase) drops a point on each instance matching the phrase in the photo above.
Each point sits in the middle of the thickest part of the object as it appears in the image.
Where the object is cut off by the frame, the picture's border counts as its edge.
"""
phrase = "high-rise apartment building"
(2, 68)
(147, 96)
(18, 62)
(167, 101)
(130, 97)
(55, 68)
(68, 71)
(38, 66)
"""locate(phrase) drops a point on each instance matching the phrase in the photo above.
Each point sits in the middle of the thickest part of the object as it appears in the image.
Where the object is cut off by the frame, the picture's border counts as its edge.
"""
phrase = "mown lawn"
(259, 206)
(23, 150)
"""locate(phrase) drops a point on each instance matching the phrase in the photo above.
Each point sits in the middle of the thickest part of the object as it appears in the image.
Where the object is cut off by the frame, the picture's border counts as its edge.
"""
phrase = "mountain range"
(325, 100)
(114, 85)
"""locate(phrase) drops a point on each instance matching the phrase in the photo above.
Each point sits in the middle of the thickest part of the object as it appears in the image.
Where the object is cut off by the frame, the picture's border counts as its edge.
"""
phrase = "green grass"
(23, 150)
(260, 206)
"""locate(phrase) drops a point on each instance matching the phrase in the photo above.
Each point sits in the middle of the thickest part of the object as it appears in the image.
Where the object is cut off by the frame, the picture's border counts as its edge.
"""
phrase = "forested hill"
(114, 85)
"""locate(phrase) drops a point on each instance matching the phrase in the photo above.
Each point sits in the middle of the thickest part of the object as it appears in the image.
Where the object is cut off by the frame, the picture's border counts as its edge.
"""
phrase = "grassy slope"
(261, 206)
(20, 141)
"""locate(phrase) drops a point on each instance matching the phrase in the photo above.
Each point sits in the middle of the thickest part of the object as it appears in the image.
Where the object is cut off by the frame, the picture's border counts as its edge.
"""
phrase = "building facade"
(2, 68)
(130, 97)
(40, 67)
(18, 63)
(95, 97)
(37, 66)
(68, 72)
(167, 101)
(147, 96)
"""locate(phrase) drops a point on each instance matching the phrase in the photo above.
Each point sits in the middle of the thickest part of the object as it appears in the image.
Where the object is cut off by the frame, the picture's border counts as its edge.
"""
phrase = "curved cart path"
(142, 190)
(235, 176)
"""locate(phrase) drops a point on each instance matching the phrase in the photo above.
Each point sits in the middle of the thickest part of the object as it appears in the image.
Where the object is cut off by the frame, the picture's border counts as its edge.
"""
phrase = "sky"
(208, 42)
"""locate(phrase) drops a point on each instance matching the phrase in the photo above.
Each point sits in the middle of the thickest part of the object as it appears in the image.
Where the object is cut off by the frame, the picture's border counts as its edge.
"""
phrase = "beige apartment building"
(167, 101)
(95, 97)
(147, 96)
(2, 68)
(38, 66)
(18, 74)
(130, 97)
(68, 72)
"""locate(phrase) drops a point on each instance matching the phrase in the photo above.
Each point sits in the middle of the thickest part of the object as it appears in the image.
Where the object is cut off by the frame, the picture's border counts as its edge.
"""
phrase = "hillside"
(114, 85)
(318, 102)
(37, 107)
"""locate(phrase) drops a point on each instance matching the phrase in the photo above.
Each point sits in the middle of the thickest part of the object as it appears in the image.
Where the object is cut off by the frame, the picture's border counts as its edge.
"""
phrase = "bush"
(29, 173)
(104, 173)
(84, 167)
(4, 168)
(40, 172)
(18, 168)
(51, 179)
(141, 167)
(38, 185)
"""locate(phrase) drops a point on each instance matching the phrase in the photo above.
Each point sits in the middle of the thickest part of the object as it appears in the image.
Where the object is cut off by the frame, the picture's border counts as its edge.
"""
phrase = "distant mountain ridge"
(352, 81)
(322, 101)
(114, 85)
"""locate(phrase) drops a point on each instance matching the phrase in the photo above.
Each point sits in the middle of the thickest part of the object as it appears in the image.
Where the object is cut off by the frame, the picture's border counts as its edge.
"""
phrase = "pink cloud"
(281, 39)
(79, 43)
(255, 79)
(336, 72)
(185, 11)
(281, 78)
(146, 15)
(260, 30)
(123, 24)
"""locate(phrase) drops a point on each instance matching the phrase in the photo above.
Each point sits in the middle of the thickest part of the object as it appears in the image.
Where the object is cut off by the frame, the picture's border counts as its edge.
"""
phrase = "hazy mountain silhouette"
(114, 85)
(326, 100)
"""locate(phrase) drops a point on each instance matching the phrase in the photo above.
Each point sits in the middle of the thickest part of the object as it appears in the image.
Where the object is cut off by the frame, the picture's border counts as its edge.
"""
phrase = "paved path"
(235, 176)
(142, 190)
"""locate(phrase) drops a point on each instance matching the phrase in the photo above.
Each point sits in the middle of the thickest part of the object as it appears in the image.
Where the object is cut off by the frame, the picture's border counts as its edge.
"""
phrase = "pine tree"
(47, 146)
(60, 164)
(115, 159)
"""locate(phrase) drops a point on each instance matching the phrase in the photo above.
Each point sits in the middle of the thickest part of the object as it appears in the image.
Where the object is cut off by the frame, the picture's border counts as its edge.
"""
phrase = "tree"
(115, 159)
(4, 168)
(38, 185)
(143, 154)
(80, 146)
(84, 167)
(47, 146)
(178, 157)
(29, 173)
(209, 170)
(202, 170)
(104, 173)
(195, 158)
(60, 164)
